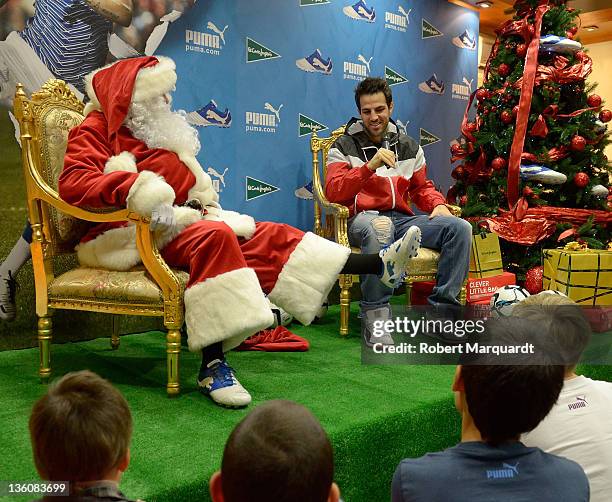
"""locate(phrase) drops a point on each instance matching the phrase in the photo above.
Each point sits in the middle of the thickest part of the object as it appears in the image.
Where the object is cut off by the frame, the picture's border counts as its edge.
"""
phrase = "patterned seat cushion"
(92, 284)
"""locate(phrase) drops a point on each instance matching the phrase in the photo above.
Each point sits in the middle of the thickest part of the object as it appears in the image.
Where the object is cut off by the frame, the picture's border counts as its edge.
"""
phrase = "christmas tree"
(530, 166)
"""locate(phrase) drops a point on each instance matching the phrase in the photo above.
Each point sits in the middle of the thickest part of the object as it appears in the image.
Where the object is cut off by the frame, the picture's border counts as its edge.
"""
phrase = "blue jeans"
(452, 236)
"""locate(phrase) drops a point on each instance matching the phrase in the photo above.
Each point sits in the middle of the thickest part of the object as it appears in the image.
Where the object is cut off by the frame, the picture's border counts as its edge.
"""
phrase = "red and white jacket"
(350, 182)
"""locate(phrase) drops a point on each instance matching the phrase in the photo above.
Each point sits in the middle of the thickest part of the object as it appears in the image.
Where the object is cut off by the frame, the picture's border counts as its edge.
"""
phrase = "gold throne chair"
(152, 289)
(331, 222)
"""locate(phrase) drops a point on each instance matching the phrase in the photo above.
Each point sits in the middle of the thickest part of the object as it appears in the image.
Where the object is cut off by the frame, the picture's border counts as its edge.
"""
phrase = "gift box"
(485, 256)
(584, 275)
(483, 289)
(600, 318)
(478, 290)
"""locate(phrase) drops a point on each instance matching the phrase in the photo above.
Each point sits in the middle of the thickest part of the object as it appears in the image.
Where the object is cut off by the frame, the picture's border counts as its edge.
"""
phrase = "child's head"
(278, 452)
(81, 429)
(563, 319)
(507, 396)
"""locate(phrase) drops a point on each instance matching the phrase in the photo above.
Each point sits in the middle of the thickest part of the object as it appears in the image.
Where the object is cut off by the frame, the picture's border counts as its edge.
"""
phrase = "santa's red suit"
(231, 260)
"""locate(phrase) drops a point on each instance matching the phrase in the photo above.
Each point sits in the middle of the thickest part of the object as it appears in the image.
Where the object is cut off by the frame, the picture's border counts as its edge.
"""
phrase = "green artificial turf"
(375, 415)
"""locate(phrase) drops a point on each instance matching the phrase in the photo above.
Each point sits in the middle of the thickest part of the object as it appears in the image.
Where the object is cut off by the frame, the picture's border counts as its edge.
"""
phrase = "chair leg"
(346, 281)
(173, 350)
(408, 294)
(115, 341)
(45, 332)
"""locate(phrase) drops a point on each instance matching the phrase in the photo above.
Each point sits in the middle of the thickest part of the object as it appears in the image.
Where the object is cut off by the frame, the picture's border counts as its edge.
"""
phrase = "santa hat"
(113, 88)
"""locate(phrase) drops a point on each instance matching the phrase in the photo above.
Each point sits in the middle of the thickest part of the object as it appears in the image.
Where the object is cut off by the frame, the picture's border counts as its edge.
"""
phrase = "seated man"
(81, 431)
(376, 171)
(498, 402)
(133, 151)
(579, 426)
(278, 452)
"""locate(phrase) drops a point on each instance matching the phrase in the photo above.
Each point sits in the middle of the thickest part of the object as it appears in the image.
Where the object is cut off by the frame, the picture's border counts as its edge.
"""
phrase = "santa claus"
(133, 151)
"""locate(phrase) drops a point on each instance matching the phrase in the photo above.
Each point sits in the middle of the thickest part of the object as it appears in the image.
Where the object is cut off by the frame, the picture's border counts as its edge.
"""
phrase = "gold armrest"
(455, 210)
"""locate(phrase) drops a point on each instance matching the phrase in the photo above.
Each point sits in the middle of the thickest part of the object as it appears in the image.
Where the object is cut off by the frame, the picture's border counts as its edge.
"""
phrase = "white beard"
(154, 123)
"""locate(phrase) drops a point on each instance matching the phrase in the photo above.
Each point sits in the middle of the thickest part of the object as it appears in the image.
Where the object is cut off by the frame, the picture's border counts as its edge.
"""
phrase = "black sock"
(363, 264)
(210, 353)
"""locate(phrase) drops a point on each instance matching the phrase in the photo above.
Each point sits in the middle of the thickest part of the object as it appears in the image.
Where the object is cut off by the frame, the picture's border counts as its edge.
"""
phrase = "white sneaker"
(373, 326)
(219, 383)
(395, 257)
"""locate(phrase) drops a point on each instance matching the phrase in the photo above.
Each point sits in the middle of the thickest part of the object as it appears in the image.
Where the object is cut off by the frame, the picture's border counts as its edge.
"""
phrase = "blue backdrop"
(256, 76)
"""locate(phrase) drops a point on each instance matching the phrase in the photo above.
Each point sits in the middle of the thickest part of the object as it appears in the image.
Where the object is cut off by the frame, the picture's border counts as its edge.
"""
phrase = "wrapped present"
(584, 275)
(600, 318)
(478, 290)
(485, 257)
(483, 289)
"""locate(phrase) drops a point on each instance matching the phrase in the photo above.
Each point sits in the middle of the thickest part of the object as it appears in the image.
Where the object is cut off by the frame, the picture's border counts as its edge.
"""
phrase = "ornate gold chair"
(424, 267)
(150, 290)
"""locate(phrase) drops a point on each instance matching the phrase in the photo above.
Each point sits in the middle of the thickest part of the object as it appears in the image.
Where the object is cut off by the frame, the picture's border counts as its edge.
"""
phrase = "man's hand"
(162, 218)
(440, 210)
(383, 156)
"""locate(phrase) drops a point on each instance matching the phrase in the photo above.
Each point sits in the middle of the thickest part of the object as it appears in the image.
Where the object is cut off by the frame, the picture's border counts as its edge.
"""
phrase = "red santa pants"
(224, 299)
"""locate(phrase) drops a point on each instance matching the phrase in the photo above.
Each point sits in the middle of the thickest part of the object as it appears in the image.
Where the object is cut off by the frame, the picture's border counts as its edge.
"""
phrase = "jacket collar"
(355, 129)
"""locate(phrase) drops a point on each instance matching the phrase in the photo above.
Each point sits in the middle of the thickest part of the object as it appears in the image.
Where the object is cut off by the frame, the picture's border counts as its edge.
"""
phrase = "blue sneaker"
(542, 174)
(559, 45)
(360, 11)
(315, 63)
(465, 41)
(395, 257)
(432, 85)
(219, 383)
(210, 115)
(304, 192)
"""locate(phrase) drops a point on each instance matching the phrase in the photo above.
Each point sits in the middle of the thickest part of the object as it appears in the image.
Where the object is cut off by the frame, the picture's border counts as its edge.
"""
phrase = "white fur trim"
(243, 225)
(203, 188)
(156, 80)
(115, 249)
(148, 192)
(125, 161)
(308, 276)
(150, 82)
(91, 107)
(229, 307)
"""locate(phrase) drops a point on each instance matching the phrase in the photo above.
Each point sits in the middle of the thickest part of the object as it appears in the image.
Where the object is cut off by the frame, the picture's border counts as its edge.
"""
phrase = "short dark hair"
(564, 320)
(372, 85)
(278, 452)
(80, 429)
(510, 399)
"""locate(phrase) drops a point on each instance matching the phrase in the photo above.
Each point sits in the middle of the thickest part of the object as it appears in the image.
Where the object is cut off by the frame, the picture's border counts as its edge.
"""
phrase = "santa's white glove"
(162, 218)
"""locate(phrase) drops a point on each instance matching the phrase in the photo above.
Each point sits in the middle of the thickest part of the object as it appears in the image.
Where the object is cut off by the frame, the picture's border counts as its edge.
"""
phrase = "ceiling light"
(592, 27)
(484, 4)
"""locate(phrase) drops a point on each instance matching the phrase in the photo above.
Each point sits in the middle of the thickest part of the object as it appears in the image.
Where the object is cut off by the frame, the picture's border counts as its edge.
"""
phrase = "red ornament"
(533, 279)
(580, 55)
(521, 50)
(482, 94)
(594, 100)
(493, 109)
(498, 163)
(515, 110)
(527, 192)
(506, 117)
(471, 127)
(581, 180)
(578, 143)
(458, 173)
(503, 70)
(569, 35)
(463, 200)
(573, 30)
(605, 115)
(456, 149)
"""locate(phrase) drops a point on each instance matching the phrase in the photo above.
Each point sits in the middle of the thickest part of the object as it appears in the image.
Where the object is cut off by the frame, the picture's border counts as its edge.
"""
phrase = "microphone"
(386, 141)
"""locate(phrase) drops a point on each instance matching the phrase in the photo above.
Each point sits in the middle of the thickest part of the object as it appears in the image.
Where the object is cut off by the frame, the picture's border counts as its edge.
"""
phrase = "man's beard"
(154, 122)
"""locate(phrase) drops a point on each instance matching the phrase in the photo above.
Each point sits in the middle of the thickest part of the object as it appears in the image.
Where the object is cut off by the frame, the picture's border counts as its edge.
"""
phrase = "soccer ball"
(281, 317)
(503, 300)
